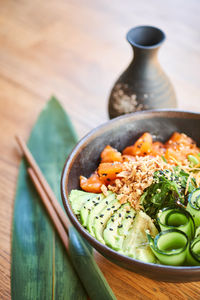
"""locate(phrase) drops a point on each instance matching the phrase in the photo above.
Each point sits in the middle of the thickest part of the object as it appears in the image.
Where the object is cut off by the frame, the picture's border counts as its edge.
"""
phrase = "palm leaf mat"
(40, 267)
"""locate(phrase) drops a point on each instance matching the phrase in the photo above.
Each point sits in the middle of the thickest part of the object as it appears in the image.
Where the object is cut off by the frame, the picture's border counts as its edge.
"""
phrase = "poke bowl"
(122, 134)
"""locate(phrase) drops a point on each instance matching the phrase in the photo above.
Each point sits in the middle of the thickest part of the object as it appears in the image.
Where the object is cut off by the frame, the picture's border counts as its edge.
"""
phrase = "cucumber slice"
(177, 218)
(170, 247)
(193, 206)
(193, 257)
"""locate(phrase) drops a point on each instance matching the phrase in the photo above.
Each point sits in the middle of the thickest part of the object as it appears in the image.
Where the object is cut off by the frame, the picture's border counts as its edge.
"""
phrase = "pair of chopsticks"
(62, 226)
(47, 196)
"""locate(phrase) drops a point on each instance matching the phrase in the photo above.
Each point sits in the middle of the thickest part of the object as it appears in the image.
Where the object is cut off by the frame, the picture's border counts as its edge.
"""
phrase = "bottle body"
(143, 85)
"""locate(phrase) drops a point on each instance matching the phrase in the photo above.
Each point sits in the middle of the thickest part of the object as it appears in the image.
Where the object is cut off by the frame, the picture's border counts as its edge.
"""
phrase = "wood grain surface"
(76, 50)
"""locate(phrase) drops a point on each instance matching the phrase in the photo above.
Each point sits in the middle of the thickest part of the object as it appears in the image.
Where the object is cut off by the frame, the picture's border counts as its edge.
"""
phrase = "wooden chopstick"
(52, 213)
(43, 182)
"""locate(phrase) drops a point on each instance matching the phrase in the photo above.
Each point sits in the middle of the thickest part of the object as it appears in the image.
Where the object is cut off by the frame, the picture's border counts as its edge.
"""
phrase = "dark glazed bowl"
(119, 133)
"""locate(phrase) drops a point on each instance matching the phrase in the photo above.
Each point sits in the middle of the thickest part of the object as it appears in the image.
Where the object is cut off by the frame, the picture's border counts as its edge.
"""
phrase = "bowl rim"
(85, 140)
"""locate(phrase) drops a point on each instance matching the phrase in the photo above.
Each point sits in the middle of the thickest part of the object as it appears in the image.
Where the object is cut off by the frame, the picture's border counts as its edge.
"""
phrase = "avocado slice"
(88, 206)
(127, 222)
(110, 233)
(136, 243)
(96, 210)
(77, 198)
(125, 226)
(145, 254)
(102, 218)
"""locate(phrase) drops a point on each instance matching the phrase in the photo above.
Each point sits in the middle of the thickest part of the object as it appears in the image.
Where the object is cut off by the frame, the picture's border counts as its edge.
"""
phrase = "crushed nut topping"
(136, 176)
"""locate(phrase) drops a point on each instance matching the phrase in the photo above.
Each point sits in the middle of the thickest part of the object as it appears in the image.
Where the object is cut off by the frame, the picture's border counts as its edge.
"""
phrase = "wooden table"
(76, 49)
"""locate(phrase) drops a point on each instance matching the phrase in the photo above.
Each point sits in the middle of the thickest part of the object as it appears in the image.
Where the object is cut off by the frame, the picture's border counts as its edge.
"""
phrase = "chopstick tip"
(18, 138)
(20, 142)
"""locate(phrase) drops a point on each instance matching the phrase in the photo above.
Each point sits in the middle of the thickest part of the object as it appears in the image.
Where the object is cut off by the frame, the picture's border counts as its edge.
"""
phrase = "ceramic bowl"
(119, 133)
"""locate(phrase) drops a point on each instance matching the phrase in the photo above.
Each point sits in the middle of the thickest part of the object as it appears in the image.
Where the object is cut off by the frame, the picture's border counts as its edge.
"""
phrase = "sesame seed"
(108, 208)
(96, 217)
(111, 229)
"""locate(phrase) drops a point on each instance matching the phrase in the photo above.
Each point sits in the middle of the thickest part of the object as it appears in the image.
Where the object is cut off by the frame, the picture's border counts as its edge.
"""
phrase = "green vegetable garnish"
(163, 158)
(193, 160)
(168, 189)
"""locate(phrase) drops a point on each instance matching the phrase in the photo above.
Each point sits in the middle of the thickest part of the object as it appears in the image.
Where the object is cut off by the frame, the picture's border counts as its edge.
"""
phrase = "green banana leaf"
(40, 267)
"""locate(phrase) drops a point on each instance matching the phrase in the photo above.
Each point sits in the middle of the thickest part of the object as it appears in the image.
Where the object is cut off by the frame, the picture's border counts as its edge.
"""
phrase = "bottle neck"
(145, 56)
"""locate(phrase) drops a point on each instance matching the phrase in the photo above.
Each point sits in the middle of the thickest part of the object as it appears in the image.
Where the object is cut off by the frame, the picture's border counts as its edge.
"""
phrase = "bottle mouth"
(145, 37)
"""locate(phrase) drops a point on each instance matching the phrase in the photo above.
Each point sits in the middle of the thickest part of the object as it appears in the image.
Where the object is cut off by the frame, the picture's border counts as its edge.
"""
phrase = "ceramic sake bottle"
(143, 85)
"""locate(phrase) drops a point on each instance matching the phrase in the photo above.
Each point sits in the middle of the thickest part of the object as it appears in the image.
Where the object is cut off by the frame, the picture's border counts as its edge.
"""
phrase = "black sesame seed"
(101, 216)
(120, 215)
(98, 198)
(112, 220)
(128, 211)
(106, 202)
(96, 204)
(84, 207)
(120, 226)
(113, 206)
(101, 223)
(111, 229)
(104, 174)
(108, 208)
(96, 217)
(115, 210)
